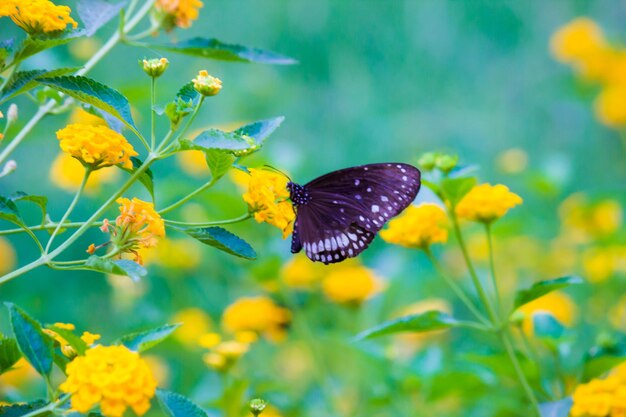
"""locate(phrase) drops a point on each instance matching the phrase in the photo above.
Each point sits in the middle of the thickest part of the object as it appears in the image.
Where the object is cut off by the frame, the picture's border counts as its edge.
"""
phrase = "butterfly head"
(298, 194)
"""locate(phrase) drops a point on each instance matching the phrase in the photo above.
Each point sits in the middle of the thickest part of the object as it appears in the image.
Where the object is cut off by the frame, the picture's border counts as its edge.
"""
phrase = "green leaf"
(223, 240)
(9, 211)
(32, 46)
(215, 139)
(541, 288)
(40, 200)
(188, 94)
(546, 326)
(559, 408)
(423, 322)
(23, 81)
(9, 354)
(73, 340)
(117, 267)
(146, 178)
(94, 93)
(455, 189)
(96, 13)
(260, 130)
(36, 347)
(214, 49)
(22, 409)
(176, 405)
(219, 163)
(142, 341)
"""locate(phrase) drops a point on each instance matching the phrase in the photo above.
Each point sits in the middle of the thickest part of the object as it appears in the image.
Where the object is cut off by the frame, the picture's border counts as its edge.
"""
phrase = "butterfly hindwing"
(338, 214)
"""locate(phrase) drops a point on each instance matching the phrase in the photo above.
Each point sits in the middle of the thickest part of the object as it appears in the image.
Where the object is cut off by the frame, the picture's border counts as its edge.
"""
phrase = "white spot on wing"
(357, 182)
(384, 198)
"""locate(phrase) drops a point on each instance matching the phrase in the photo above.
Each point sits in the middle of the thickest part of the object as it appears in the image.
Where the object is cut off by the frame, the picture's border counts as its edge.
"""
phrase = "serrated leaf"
(557, 408)
(223, 240)
(423, 322)
(96, 13)
(546, 326)
(93, 93)
(113, 122)
(215, 49)
(146, 177)
(176, 405)
(40, 200)
(455, 189)
(36, 347)
(142, 341)
(117, 267)
(23, 81)
(73, 340)
(188, 94)
(541, 288)
(9, 354)
(32, 46)
(219, 163)
(22, 409)
(215, 139)
(261, 129)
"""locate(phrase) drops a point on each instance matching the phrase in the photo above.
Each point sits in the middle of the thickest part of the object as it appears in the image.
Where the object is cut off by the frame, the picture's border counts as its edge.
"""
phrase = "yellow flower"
(90, 338)
(65, 326)
(114, 377)
(180, 254)
(601, 397)
(557, 304)
(617, 314)
(194, 324)
(486, 203)
(222, 355)
(267, 198)
(21, 375)
(37, 16)
(301, 273)
(67, 173)
(179, 12)
(582, 220)
(209, 340)
(97, 146)
(206, 84)
(8, 257)
(155, 67)
(350, 283)
(418, 227)
(139, 219)
(512, 161)
(609, 106)
(64, 345)
(601, 264)
(257, 314)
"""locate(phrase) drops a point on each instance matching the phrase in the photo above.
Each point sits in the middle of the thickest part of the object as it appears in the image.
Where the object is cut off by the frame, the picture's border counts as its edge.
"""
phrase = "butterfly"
(339, 214)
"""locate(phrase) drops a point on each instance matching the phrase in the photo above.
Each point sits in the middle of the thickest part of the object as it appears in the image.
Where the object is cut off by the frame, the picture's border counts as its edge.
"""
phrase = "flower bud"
(257, 406)
(206, 84)
(12, 114)
(446, 163)
(427, 161)
(8, 168)
(155, 67)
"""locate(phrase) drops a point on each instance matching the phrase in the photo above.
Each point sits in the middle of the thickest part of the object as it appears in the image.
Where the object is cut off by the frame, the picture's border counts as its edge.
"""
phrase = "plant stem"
(152, 113)
(492, 267)
(456, 288)
(49, 407)
(49, 226)
(188, 197)
(69, 210)
(183, 130)
(208, 224)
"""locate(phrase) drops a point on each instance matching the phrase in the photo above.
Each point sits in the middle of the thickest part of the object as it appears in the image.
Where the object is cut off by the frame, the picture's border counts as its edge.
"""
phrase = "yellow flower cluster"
(583, 221)
(114, 377)
(486, 203)
(66, 348)
(601, 397)
(37, 16)
(223, 354)
(557, 304)
(179, 12)
(418, 227)
(582, 44)
(206, 84)
(194, 323)
(141, 220)
(178, 254)
(267, 198)
(257, 314)
(350, 283)
(301, 273)
(97, 146)
(602, 263)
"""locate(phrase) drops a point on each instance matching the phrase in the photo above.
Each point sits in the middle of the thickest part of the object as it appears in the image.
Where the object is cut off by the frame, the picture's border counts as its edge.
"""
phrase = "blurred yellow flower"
(601, 264)
(257, 314)
(138, 222)
(90, 338)
(512, 161)
(222, 355)
(83, 49)
(194, 324)
(486, 203)
(609, 106)
(180, 12)
(209, 340)
(37, 16)
(114, 377)
(8, 257)
(206, 84)
(193, 163)
(557, 304)
(418, 227)
(582, 220)
(97, 146)
(22, 374)
(268, 199)
(67, 173)
(617, 314)
(301, 273)
(65, 326)
(350, 283)
(601, 397)
(159, 368)
(178, 254)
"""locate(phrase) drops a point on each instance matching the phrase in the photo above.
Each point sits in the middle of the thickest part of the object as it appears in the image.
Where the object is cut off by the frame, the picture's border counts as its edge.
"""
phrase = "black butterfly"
(338, 214)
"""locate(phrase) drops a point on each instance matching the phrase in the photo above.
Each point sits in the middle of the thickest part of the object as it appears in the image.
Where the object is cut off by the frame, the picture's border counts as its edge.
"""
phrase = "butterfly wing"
(348, 207)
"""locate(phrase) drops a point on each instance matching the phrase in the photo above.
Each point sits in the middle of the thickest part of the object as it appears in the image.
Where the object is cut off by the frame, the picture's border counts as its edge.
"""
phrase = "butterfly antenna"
(271, 168)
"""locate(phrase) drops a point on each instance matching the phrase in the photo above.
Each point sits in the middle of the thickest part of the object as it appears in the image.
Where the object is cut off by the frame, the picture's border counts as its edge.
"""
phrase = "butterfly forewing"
(341, 212)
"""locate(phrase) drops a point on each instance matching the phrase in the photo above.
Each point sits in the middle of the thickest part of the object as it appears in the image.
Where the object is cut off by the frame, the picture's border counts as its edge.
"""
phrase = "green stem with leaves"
(48, 408)
(241, 218)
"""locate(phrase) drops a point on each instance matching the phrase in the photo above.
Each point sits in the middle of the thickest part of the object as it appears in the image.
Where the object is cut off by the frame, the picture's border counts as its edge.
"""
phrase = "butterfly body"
(339, 214)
